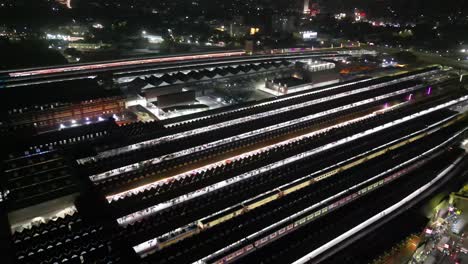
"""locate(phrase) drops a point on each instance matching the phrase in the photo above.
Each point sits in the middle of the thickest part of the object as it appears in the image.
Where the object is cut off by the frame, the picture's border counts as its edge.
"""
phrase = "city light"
(233, 131)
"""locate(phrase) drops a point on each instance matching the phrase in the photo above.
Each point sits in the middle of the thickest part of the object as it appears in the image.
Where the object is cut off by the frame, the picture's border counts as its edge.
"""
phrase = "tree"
(28, 53)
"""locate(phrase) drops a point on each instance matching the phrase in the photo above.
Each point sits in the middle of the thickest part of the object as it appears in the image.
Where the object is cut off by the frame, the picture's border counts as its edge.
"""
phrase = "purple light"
(410, 97)
(429, 90)
(386, 105)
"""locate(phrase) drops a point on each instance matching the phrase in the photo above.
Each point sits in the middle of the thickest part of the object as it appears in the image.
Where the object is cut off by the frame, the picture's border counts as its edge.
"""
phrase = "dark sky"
(402, 6)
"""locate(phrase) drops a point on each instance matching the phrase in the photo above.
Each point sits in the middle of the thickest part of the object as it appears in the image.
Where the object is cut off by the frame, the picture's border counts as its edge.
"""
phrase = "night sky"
(405, 7)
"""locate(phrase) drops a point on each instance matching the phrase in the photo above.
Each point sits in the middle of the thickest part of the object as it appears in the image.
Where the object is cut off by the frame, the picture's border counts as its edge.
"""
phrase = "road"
(430, 58)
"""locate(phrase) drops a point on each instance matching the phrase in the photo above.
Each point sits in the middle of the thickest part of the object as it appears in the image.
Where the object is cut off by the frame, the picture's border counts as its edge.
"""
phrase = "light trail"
(140, 72)
(190, 173)
(182, 58)
(275, 58)
(124, 63)
(189, 196)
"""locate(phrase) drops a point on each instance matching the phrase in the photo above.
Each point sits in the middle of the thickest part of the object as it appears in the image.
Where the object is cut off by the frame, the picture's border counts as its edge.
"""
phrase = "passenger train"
(268, 197)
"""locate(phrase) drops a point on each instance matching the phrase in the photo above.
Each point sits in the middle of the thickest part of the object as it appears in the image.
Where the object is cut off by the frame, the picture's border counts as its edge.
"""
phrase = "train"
(310, 216)
(229, 213)
(141, 61)
(103, 65)
(255, 243)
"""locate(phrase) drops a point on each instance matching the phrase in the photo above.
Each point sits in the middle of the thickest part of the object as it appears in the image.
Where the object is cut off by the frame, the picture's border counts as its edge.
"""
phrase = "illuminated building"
(254, 31)
(153, 39)
(309, 35)
(66, 3)
(306, 7)
(88, 46)
(359, 15)
(53, 115)
(314, 9)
